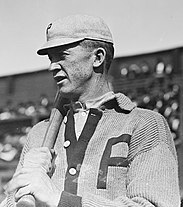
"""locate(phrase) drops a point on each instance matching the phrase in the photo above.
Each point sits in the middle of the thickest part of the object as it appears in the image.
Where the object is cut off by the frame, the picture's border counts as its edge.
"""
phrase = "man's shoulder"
(148, 113)
(145, 116)
(37, 133)
(40, 125)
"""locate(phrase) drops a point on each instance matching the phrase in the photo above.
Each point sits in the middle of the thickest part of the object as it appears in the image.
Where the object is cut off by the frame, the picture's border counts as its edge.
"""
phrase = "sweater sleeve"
(152, 178)
(32, 141)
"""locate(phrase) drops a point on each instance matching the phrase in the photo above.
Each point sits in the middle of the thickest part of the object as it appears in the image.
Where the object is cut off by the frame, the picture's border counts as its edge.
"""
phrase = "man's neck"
(98, 88)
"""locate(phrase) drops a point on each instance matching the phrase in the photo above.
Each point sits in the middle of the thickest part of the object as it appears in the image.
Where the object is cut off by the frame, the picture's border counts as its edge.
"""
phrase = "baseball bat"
(50, 137)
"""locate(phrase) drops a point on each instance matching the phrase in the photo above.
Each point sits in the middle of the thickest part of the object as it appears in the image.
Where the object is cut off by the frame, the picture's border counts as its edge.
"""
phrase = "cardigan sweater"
(125, 156)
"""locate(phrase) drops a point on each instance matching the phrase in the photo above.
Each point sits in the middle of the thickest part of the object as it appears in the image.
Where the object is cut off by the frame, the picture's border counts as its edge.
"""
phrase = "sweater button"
(65, 120)
(72, 171)
(67, 143)
(83, 113)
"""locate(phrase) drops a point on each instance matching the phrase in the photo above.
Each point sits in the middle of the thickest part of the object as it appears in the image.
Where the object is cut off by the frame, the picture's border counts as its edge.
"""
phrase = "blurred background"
(148, 64)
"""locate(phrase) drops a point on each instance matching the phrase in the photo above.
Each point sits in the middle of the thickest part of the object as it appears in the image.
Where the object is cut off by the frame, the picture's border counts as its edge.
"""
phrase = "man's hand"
(33, 178)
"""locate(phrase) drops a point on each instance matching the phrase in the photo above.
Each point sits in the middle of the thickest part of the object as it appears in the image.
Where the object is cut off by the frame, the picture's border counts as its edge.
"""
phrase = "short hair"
(93, 44)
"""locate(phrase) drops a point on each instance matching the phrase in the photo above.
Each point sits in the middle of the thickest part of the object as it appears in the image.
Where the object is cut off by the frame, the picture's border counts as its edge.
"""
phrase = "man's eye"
(57, 56)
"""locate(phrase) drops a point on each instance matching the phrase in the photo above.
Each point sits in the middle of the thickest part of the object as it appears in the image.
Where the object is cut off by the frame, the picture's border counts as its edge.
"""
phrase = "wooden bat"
(55, 121)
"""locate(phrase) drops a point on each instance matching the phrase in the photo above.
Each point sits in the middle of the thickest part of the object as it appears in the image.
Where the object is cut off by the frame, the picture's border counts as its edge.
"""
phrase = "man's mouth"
(59, 79)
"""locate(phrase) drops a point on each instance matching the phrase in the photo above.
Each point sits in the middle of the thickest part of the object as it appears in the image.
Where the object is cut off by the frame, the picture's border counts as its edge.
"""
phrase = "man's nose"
(54, 67)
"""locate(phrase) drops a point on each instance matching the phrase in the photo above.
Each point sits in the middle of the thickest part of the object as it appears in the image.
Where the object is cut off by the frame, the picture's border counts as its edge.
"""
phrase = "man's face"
(72, 68)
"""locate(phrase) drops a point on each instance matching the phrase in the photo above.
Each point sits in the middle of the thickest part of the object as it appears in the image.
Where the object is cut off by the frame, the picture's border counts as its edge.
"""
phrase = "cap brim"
(56, 43)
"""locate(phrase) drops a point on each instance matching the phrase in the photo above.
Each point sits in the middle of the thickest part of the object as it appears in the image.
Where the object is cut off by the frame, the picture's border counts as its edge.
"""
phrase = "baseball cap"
(75, 28)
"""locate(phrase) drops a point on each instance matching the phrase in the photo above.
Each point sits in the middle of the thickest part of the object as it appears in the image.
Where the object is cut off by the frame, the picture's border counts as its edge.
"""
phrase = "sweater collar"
(92, 103)
(123, 101)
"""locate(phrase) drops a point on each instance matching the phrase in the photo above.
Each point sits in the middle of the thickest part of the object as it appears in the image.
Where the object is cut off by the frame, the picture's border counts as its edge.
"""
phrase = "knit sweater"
(125, 156)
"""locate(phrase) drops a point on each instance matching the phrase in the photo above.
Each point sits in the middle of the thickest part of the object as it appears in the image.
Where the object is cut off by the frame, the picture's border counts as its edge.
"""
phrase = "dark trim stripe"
(70, 135)
(76, 151)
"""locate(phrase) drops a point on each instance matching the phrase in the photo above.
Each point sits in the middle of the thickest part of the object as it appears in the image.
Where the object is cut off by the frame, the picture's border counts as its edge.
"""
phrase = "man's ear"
(100, 55)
